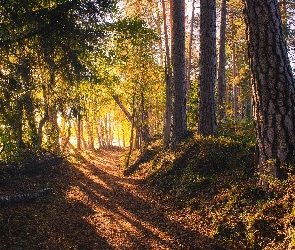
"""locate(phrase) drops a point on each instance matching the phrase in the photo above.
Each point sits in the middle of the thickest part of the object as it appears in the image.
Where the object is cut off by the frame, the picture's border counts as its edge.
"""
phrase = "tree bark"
(221, 84)
(207, 120)
(274, 93)
(41, 126)
(235, 87)
(90, 144)
(168, 79)
(145, 131)
(178, 65)
(189, 60)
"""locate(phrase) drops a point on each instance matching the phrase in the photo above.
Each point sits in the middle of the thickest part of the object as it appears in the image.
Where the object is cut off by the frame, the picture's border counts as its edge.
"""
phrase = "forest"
(165, 124)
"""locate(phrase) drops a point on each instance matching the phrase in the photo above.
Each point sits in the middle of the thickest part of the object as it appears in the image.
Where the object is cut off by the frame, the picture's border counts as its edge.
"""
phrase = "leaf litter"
(93, 206)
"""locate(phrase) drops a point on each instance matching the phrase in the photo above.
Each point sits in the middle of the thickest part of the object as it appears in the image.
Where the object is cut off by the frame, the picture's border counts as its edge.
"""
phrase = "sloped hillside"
(213, 182)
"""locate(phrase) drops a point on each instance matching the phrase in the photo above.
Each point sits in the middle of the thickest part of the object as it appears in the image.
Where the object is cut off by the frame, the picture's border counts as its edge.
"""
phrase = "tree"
(274, 89)
(238, 75)
(207, 120)
(221, 86)
(41, 45)
(178, 67)
(168, 80)
(189, 59)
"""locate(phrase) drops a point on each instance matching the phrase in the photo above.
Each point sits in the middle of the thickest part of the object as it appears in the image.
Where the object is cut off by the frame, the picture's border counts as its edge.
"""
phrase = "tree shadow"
(93, 206)
(143, 219)
(51, 222)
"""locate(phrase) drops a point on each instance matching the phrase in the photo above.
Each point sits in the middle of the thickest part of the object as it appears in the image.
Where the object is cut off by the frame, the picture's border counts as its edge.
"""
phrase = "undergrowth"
(213, 180)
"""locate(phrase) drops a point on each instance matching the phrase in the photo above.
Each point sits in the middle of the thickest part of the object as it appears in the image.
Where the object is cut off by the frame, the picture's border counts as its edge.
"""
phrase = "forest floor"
(92, 206)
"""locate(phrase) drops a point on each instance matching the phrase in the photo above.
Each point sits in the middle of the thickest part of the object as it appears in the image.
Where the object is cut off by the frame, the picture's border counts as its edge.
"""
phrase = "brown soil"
(93, 206)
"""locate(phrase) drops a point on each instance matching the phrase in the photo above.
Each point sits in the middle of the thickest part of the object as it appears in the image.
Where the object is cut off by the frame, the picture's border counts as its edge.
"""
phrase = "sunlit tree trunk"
(189, 58)
(207, 120)
(79, 132)
(53, 135)
(90, 144)
(235, 87)
(145, 134)
(221, 84)
(178, 65)
(274, 93)
(126, 112)
(65, 134)
(123, 138)
(52, 124)
(168, 78)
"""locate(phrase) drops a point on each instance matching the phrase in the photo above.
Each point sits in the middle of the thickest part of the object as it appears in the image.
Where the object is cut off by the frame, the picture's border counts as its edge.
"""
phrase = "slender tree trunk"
(189, 61)
(207, 120)
(30, 116)
(123, 138)
(168, 78)
(102, 134)
(90, 144)
(66, 135)
(78, 134)
(274, 91)
(41, 125)
(221, 84)
(189, 57)
(145, 134)
(178, 64)
(235, 87)
(131, 134)
(106, 131)
(17, 125)
(54, 129)
(126, 112)
(83, 142)
(98, 136)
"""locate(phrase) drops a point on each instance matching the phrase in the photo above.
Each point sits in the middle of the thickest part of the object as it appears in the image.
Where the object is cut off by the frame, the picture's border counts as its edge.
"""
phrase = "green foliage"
(9, 150)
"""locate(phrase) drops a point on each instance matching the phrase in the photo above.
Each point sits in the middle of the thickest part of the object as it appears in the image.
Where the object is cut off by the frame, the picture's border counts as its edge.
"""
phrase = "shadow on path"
(127, 213)
(93, 207)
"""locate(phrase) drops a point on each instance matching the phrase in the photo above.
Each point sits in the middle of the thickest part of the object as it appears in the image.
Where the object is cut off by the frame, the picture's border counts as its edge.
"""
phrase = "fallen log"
(17, 198)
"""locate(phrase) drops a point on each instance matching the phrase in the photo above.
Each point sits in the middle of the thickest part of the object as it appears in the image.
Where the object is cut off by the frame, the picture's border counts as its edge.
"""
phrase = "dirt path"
(126, 213)
(95, 207)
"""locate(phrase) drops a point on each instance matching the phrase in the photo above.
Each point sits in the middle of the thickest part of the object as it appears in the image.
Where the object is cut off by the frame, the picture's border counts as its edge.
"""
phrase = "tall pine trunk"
(168, 79)
(207, 120)
(178, 66)
(221, 85)
(274, 93)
